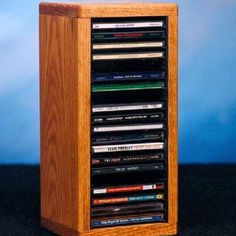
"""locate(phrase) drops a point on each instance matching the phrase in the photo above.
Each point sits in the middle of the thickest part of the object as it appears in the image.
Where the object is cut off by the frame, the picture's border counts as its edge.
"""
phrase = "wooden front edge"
(84, 113)
(134, 230)
(172, 118)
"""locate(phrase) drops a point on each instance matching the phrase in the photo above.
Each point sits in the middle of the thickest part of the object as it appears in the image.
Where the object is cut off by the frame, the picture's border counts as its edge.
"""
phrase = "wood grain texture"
(135, 230)
(65, 100)
(84, 120)
(58, 120)
(65, 120)
(58, 228)
(172, 118)
(108, 9)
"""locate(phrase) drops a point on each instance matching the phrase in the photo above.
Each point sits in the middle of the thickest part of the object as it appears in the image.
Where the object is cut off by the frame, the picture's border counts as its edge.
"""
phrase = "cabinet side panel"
(172, 118)
(58, 118)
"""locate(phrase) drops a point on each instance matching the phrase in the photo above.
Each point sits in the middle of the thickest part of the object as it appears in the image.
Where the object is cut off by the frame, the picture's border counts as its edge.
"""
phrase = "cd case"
(128, 169)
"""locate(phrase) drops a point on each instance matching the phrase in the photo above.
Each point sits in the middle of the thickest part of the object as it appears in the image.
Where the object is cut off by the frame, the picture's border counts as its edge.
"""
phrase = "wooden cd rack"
(108, 114)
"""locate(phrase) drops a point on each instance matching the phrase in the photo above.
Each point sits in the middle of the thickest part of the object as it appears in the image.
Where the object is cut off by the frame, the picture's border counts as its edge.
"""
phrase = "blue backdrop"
(207, 87)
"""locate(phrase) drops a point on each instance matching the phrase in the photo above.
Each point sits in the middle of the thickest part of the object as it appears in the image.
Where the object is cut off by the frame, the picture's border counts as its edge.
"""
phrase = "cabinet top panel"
(92, 10)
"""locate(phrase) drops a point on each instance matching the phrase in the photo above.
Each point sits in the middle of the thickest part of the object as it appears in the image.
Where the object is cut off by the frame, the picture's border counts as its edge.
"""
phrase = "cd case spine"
(128, 147)
(129, 188)
(126, 159)
(128, 25)
(126, 87)
(124, 36)
(128, 169)
(128, 220)
(128, 199)
(132, 76)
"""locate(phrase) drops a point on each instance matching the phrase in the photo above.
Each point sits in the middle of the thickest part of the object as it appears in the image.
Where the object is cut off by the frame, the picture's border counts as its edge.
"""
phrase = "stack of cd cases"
(129, 159)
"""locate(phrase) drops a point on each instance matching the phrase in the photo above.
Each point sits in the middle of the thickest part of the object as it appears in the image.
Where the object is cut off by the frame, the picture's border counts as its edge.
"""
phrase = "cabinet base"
(58, 228)
(134, 230)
